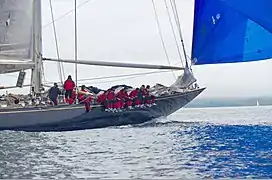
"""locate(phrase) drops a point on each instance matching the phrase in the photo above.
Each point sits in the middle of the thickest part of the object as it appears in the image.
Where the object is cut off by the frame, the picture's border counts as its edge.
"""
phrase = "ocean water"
(193, 143)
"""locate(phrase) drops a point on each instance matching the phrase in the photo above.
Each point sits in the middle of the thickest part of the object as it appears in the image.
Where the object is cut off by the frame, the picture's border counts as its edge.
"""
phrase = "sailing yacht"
(257, 103)
(225, 31)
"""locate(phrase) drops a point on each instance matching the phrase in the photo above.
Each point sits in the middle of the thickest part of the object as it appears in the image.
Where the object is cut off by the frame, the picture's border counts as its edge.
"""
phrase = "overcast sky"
(126, 31)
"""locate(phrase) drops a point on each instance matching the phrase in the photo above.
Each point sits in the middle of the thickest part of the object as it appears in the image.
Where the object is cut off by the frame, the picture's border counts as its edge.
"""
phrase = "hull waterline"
(70, 118)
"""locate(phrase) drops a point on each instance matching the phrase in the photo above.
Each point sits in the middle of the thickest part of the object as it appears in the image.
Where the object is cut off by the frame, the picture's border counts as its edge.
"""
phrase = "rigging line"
(99, 82)
(124, 75)
(173, 30)
(75, 21)
(115, 80)
(67, 13)
(175, 16)
(174, 7)
(161, 36)
(60, 65)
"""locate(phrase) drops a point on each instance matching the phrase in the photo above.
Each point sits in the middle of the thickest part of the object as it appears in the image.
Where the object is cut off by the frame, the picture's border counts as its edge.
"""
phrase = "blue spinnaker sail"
(230, 31)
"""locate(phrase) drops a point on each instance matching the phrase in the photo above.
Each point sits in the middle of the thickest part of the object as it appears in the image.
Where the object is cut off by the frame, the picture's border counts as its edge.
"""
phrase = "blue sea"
(192, 143)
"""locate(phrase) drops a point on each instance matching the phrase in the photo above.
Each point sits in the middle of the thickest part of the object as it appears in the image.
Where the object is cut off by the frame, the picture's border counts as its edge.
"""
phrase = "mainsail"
(231, 31)
(15, 35)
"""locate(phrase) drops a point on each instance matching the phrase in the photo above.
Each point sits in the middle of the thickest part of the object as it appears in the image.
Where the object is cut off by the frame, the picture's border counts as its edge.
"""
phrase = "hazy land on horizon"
(228, 101)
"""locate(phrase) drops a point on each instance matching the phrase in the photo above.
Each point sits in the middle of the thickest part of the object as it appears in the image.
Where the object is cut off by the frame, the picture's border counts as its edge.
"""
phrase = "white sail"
(15, 34)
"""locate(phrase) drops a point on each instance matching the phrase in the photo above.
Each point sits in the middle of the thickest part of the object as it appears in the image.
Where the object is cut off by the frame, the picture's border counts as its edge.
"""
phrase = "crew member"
(145, 94)
(134, 95)
(69, 85)
(84, 97)
(101, 97)
(111, 99)
(53, 94)
(119, 103)
(129, 99)
(151, 98)
(124, 98)
(73, 97)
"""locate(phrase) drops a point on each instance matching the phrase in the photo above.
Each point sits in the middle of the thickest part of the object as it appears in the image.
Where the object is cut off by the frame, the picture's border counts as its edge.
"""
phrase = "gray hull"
(69, 118)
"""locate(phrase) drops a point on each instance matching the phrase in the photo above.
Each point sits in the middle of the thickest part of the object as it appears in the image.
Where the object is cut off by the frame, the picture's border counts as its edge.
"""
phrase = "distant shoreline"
(229, 102)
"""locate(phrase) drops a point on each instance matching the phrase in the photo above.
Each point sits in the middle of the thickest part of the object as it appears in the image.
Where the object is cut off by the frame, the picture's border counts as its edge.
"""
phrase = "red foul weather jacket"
(69, 84)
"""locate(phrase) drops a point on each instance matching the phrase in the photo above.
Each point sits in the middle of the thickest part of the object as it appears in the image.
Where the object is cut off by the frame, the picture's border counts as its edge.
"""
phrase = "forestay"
(15, 35)
(230, 31)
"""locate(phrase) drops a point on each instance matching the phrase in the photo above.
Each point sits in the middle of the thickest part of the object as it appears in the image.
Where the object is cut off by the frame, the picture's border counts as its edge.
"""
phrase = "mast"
(76, 48)
(36, 74)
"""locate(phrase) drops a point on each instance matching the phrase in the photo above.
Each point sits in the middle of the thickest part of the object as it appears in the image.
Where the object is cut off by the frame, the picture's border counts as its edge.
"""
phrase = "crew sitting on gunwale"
(120, 98)
(84, 96)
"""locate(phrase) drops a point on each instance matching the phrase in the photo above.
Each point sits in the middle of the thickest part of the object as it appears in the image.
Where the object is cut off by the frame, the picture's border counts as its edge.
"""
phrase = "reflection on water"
(227, 151)
(169, 148)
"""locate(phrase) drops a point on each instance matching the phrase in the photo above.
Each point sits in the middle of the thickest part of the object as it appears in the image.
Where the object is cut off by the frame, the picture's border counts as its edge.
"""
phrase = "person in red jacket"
(101, 97)
(73, 94)
(117, 104)
(68, 86)
(84, 97)
(107, 102)
(120, 102)
(111, 99)
(134, 96)
(125, 98)
(129, 99)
